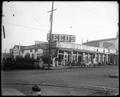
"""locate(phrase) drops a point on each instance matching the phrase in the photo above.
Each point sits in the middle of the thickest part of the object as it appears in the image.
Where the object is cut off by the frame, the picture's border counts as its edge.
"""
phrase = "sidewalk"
(72, 67)
(11, 92)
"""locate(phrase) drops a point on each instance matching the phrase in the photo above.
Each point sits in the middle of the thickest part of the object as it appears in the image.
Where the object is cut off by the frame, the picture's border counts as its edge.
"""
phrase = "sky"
(26, 22)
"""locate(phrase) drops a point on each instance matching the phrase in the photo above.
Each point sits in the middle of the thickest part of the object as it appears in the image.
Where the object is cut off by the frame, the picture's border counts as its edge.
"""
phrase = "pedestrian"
(56, 62)
(53, 62)
(41, 63)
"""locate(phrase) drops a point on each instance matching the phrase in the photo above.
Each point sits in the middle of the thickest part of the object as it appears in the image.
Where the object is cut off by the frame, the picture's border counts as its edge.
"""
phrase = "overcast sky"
(26, 22)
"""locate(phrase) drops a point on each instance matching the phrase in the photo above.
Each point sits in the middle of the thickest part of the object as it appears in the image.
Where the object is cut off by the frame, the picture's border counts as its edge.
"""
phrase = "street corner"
(11, 92)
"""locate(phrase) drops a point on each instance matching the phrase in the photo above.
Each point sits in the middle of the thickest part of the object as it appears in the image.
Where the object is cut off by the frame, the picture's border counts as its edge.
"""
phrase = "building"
(110, 44)
(34, 51)
(65, 52)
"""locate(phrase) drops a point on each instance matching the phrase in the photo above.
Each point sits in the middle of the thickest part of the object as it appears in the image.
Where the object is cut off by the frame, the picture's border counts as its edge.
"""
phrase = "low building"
(65, 52)
(34, 51)
(110, 44)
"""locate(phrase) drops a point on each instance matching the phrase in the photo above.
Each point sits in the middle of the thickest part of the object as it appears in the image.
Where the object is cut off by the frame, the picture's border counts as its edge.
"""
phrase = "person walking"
(53, 62)
(41, 63)
(56, 61)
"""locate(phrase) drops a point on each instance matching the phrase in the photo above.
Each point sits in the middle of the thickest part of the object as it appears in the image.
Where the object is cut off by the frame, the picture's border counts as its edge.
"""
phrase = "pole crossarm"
(52, 10)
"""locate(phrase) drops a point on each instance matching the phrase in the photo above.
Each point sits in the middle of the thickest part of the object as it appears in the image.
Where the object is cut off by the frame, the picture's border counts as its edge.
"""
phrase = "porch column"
(77, 56)
(71, 57)
(64, 58)
(83, 58)
(99, 58)
(103, 58)
(107, 58)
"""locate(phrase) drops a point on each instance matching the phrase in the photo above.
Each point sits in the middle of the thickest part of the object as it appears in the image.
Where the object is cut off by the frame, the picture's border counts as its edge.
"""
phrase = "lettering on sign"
(72, 38)
(61, 37)
(100, 50)
(67, 38)
(113, 51)
(55, 37)
(83, 47)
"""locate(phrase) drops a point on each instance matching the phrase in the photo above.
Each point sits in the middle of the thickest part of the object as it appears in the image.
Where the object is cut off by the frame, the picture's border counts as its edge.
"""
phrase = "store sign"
(106, 50)
(100, 50)
(91, 48)
(64, 45)
(113, 51)
(83, 47)
(61, 37)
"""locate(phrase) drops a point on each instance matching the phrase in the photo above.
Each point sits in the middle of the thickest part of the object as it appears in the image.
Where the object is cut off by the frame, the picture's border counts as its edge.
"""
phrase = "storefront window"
(60, 51)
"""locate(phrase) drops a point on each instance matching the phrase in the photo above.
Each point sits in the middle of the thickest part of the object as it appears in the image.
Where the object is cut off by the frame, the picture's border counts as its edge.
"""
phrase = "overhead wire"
(23, 26)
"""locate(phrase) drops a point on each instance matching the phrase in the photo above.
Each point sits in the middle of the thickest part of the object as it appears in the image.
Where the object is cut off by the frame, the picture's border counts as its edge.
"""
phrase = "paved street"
(78, 81)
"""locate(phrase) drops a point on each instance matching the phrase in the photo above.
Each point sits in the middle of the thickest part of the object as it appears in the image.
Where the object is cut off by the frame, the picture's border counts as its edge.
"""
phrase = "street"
(78, 81)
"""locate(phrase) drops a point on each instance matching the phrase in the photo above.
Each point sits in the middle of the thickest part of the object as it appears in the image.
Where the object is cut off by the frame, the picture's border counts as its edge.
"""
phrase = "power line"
(23, 26)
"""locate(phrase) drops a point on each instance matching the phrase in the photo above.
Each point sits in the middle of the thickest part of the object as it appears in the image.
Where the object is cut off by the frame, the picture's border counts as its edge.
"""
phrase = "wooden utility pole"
(51, 24)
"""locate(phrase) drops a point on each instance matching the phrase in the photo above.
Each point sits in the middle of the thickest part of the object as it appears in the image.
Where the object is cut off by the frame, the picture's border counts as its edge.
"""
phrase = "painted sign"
(64, 45)
(61, 37)
(112, 51)
(83, 47)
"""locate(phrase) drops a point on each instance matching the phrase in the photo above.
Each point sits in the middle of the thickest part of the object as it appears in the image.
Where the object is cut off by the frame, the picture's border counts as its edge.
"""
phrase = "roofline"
(99, 40)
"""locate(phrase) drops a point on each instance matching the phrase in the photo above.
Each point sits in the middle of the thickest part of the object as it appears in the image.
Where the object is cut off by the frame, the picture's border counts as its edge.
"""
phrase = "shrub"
(19, 63)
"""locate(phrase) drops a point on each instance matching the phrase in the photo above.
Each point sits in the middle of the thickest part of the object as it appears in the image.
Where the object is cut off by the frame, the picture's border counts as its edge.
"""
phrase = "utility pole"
(51, 24)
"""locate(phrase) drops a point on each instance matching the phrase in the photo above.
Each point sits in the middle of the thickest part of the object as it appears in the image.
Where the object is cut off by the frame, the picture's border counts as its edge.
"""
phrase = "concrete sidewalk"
(11, 92)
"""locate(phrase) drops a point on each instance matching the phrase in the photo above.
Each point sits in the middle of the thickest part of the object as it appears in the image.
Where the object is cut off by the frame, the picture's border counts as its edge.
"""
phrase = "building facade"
(66, 52)
(110, 44)
(34, 51)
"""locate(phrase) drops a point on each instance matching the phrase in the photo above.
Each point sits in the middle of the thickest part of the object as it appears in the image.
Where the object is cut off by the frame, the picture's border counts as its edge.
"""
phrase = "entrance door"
(60, 58)
(79, 58)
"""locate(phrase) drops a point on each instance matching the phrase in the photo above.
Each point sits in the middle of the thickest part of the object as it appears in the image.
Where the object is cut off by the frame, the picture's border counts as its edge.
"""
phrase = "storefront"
(71, 52)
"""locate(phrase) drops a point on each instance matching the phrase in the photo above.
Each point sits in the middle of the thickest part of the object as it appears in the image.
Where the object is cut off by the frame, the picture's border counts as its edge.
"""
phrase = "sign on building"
(61, 37)
(112, 51)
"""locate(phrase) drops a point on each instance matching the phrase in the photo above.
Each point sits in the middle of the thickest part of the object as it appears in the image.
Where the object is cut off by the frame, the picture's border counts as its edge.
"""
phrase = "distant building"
(33, 50)
(110, 44)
